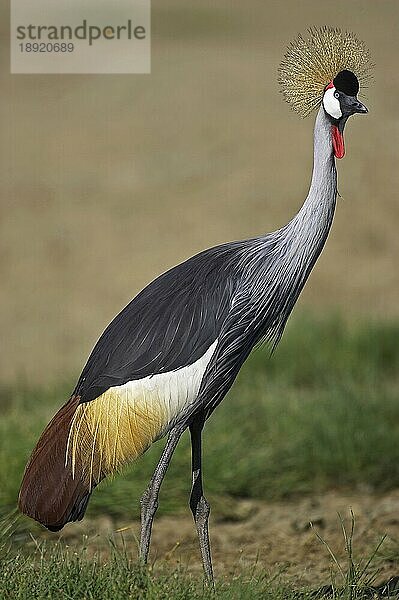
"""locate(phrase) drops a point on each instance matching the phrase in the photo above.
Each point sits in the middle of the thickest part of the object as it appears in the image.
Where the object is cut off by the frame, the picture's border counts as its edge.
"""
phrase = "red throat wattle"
(338, 142)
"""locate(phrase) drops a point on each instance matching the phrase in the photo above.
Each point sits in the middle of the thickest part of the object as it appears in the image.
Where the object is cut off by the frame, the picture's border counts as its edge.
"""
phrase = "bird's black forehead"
(346, 82)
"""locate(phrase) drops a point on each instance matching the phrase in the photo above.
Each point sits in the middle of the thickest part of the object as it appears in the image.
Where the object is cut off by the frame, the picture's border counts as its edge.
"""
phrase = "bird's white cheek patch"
(331, 104)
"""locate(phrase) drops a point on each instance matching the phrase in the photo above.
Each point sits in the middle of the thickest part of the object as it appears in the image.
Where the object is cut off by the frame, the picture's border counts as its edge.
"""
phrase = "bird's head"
(340, 102)
(326, 66)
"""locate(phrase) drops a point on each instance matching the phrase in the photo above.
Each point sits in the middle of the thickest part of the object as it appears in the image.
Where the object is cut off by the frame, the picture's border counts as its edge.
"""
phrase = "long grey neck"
(302, 239)
(313, 221)
(281, 261)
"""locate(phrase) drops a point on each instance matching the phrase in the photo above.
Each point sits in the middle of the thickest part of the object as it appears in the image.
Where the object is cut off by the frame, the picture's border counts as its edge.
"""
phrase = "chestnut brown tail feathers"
(50, 493)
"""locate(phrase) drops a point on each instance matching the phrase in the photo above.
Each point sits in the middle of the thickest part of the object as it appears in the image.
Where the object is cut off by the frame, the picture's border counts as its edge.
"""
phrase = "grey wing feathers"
(241, 331)
(168, 325)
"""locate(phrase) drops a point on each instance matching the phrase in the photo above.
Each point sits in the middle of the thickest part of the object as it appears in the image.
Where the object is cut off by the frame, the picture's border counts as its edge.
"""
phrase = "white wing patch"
(118, 426)
(173, 390)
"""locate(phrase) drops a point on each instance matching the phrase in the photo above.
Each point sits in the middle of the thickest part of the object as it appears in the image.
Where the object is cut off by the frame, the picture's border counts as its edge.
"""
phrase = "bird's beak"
(358, 107)
(351, 105)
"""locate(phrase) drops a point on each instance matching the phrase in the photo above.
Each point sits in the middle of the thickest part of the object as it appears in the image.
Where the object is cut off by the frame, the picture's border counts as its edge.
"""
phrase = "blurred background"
(106, 181)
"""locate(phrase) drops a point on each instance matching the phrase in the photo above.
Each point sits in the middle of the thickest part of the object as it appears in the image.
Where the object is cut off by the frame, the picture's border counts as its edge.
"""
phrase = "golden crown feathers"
(313, 60)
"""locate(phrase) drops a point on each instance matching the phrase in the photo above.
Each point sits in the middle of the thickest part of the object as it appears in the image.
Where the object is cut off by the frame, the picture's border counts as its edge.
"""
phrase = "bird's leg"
(198, 503)
(149, 500)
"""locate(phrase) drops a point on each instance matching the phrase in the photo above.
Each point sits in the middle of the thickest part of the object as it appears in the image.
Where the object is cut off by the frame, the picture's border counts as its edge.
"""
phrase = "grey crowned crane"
(168, 359)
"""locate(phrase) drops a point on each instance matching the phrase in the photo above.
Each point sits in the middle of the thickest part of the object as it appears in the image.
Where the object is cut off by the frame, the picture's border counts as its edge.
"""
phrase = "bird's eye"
(336, 94)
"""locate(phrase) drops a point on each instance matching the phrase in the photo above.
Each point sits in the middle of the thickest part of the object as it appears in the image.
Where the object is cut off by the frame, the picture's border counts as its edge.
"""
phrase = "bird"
(168, 359)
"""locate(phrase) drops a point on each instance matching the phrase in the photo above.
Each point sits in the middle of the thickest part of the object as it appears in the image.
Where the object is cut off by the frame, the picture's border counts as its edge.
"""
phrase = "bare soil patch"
(273, 535)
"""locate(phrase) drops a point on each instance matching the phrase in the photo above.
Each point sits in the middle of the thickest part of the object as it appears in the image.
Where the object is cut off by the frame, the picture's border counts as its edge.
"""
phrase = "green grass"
(322, 413)
(60, 574)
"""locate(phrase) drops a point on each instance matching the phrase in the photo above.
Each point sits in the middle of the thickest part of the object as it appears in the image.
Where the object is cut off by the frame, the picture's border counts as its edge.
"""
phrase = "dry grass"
(108, 180)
